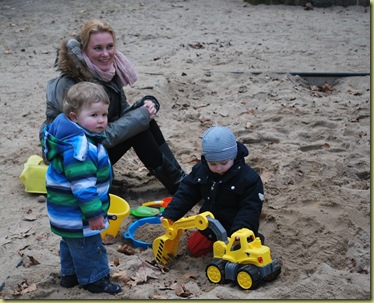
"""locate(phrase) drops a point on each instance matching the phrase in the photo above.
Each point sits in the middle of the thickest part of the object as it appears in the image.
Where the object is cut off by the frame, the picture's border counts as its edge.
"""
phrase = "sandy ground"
(208, 62)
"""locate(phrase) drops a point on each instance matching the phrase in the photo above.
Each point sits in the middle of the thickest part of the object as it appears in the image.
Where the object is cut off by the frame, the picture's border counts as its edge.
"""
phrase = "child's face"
(93, 117)
(220, 167)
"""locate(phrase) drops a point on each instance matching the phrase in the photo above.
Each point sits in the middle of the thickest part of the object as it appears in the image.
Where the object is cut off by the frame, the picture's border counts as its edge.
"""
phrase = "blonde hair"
(83, 93)
(94, 26)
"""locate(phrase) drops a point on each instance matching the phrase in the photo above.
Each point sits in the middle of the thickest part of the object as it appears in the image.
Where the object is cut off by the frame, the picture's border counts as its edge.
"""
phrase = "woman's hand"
(151, 108)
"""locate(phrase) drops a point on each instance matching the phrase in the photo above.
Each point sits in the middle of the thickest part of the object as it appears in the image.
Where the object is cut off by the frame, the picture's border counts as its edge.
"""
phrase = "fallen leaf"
(181, 291)
(121, 276)
(33, 262)
(132, 283)
(125, 249)
(116, 261)
(20, 251)
(23, 288)
(143, 274)
(163, 268)
(326, 87)
(168, 284)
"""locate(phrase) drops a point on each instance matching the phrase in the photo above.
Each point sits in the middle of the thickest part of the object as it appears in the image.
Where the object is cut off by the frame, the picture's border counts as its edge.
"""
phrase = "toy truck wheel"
(248, 277)
(215, 271)
(276, 272)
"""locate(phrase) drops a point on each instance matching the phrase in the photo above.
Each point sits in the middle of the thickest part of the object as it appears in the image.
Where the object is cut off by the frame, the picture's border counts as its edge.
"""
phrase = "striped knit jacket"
(78, 178)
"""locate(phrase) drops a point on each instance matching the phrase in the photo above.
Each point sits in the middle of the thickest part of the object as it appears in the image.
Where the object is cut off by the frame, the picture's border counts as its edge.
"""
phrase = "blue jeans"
(85, 257)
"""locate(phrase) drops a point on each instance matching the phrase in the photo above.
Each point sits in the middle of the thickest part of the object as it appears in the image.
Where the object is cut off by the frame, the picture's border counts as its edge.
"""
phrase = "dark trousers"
(145, 144)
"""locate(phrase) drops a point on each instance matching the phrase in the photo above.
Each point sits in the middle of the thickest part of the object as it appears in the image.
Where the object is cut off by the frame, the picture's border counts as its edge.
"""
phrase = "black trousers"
(145, 144)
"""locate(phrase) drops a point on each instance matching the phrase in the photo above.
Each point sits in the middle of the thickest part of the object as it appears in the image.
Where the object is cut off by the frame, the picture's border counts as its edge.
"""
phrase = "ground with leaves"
(208, 62)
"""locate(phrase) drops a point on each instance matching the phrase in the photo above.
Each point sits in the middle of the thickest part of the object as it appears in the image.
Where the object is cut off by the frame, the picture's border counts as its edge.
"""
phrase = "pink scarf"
(121, 65)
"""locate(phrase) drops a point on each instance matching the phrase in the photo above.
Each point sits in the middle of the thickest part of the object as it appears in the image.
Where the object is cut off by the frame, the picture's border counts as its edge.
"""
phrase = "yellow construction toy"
(165, 247)
(241, 258)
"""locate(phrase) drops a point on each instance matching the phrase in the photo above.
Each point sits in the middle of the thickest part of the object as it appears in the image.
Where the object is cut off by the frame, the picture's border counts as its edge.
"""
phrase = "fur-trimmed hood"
(69, 60)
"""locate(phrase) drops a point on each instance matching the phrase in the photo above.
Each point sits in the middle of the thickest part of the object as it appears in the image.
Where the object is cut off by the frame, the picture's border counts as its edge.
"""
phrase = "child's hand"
(97, 223)
(170, 221)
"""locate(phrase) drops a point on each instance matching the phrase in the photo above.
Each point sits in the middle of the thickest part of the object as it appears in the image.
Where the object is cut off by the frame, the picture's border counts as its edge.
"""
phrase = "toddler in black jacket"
(227, 186)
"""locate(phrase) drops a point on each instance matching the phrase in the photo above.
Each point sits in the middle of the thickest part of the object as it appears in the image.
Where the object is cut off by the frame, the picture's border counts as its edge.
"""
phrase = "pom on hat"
(219, 144)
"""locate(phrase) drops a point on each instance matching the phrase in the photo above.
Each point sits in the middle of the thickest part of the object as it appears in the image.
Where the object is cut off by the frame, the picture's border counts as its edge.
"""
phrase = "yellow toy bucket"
(118, 210)
(33, 175)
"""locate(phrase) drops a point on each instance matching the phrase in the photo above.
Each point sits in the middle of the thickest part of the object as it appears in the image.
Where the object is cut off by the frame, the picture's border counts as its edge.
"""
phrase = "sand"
(209, 63)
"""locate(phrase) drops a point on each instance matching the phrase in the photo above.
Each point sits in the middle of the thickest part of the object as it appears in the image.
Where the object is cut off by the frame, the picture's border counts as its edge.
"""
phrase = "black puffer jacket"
(235, 199)
(123, 123)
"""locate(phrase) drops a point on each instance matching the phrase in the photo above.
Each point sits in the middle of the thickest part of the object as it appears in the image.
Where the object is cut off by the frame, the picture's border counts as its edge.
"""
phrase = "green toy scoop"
(144, 211)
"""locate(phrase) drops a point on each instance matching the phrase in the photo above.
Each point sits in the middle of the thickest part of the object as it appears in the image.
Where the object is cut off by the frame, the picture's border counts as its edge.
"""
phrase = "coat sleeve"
(130, 124)
(250, 208)
(134, 119)
(186, 197)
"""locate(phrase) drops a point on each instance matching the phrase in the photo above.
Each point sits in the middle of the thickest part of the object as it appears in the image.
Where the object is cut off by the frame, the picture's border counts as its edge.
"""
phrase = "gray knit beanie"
(219, 144)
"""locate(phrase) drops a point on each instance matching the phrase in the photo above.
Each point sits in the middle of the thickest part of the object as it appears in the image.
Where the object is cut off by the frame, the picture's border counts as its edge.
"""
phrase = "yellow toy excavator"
(165, 247)
(241, 258)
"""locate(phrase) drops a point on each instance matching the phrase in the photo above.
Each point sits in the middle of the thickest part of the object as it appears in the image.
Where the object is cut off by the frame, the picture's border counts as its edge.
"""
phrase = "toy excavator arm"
(165, 247)
(200, 221)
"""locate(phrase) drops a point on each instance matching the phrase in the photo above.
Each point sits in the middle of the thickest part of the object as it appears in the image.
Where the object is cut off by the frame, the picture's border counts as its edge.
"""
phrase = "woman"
(92, 56)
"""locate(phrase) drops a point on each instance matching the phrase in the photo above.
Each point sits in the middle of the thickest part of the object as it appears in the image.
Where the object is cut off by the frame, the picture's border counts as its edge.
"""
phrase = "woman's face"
(101, 49)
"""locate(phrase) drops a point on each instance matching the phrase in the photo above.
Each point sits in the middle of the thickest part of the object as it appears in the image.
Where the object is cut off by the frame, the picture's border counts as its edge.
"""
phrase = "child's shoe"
(103, 285)
(69, 281)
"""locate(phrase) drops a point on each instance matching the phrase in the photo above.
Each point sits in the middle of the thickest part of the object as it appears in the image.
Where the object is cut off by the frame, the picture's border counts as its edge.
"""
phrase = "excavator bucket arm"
(165, 247)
